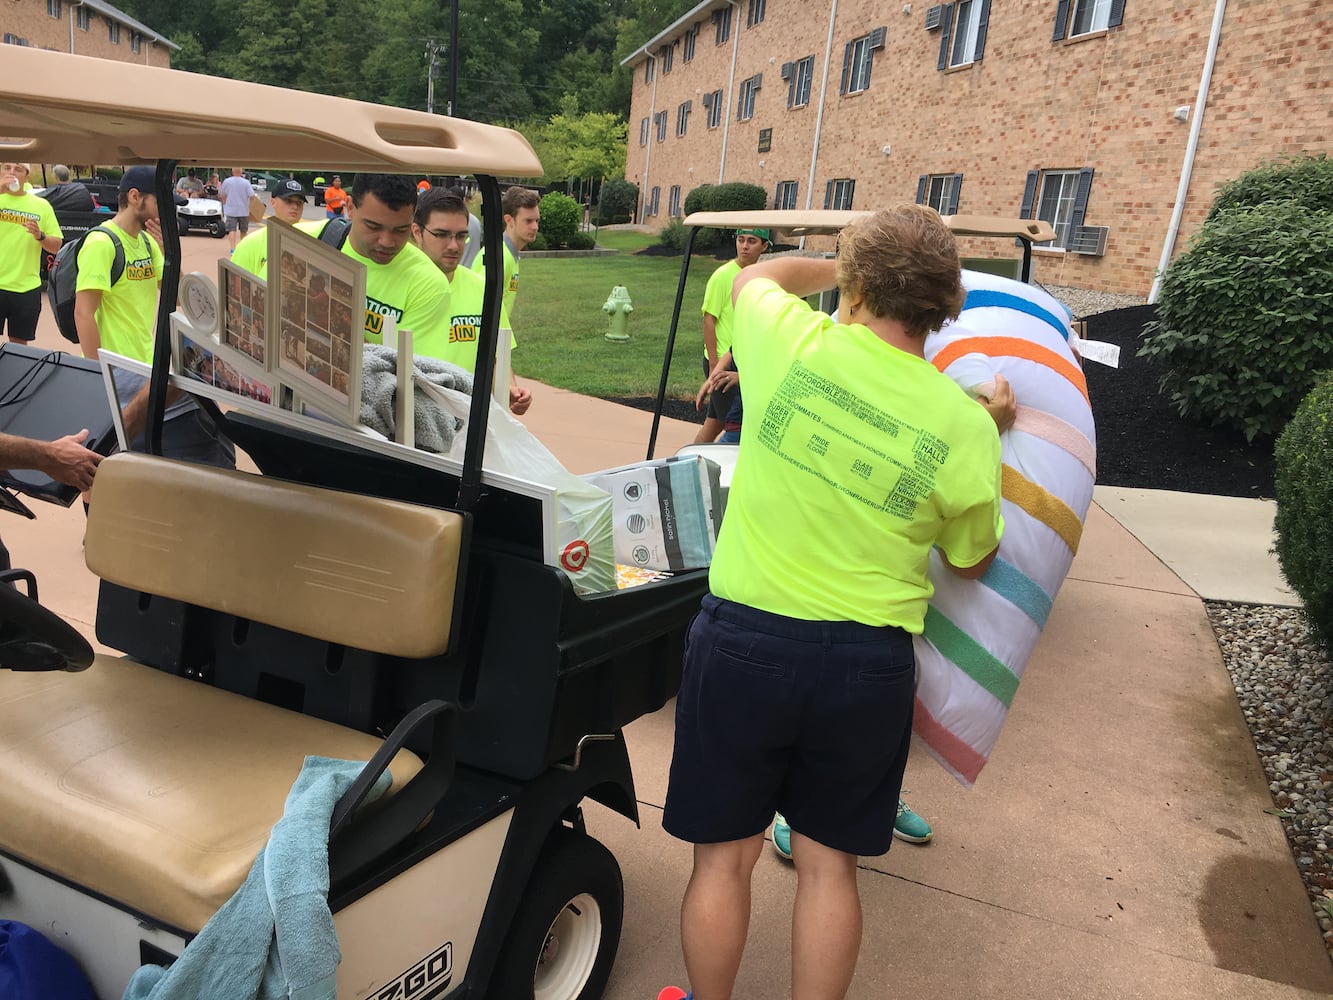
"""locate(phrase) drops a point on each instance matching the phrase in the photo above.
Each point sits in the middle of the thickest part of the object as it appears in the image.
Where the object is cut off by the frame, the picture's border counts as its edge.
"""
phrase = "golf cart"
(200, 213)
(359, 600)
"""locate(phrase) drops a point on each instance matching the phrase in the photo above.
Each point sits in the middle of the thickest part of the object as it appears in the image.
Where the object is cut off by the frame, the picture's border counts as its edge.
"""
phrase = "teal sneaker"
(782, 837)
(908, 826)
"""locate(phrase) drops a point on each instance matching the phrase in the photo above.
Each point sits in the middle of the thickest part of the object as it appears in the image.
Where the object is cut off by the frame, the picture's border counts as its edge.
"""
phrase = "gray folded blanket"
(434, 427)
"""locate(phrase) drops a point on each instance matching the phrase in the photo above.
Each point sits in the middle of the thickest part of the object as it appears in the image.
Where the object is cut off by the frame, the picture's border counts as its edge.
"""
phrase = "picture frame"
(110, 362)
(203, 359)
(243, 314)
(316, 316)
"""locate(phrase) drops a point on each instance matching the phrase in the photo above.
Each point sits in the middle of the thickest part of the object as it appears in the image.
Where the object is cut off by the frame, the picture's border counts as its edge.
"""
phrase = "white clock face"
(199, 301)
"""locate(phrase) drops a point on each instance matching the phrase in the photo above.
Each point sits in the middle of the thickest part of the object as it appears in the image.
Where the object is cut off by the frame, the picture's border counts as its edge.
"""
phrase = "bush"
(673, 235)
(582, 241)
(617, 202)
(561, 217)
(699, 200)
(539, 243)
(1306, 180)
(1304, 499)
(737, 197)
(1245, 317)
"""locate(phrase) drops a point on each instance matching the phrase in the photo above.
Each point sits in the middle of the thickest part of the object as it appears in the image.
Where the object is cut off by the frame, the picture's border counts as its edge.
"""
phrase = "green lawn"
(627, 240)
(560, 326)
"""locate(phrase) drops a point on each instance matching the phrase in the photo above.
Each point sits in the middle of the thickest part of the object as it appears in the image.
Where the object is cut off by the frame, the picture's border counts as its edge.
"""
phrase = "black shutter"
(828, 195)
(1061, 20)
(1117, 16)
(846, 66)
(921, 183)
(947, 24)
(952, 207)
(1080, 211)
(1029, 194)
(982, 21)
(776, 192)
(851, 194)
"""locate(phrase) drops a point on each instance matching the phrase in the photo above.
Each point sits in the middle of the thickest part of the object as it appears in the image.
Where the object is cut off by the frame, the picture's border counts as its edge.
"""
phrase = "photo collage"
(243, 326)
(200, 361)
(318, 323)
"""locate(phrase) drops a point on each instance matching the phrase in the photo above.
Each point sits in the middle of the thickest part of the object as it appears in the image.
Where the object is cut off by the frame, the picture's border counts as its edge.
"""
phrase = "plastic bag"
(32, 968)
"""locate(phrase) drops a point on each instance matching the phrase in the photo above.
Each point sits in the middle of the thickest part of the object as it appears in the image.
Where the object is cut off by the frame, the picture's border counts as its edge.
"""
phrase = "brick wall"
(1103, 101)
(29, 19)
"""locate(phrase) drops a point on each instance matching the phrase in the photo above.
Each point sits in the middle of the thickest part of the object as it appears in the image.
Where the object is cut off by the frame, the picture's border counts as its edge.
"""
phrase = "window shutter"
(1061, 20)
(851, 194)
(952, 207)
(846, 67)
(777, 194)
(828, 195)
(1080, 211)
(1029, 194)
(1117, 15)
(740, 105)
(787, 69)
(945, 37)
(983, 19)
(877, 38)
(921, 183)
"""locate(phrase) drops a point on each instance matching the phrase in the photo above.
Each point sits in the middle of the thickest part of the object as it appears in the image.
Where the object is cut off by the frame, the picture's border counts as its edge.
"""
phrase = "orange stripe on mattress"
(1060, 433)
(952, 750)
(1047, 508)
(1012, 347)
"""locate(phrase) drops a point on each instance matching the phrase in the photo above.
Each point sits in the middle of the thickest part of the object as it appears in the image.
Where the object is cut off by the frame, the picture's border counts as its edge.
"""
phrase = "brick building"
(1081, 112)
(85, 27)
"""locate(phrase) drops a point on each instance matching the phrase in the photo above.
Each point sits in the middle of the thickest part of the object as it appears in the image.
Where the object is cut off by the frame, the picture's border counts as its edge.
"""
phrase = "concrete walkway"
(1119, 844)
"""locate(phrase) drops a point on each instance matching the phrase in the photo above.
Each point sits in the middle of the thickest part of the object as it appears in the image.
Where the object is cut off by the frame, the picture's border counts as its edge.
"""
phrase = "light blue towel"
(274, 938)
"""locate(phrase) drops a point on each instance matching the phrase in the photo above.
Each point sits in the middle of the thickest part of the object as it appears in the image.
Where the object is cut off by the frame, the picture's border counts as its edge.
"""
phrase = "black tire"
(575, 900)
(217, 229)
(183, 223)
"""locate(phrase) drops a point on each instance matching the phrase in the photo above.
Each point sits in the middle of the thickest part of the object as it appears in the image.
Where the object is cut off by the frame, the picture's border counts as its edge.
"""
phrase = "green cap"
(763, 234)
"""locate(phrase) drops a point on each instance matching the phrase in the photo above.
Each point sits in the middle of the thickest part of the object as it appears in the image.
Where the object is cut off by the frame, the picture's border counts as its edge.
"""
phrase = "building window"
(721, 25)
(964, 39)
(838, 193)
(857, 57)
(661, 126)
(1061, 198)
(668, 57)
(713, 104)
(673, 201)
(690, 37)
(113, 32)
(14, 39)
(799, 76)
(653, 198)
(83, 18)
(683, 117)
(940, 192)
(136, 41)
(786, 195)
(649, 69)
(745, 106)
(754, 13)
(1083, 17)
(55, 8)
(643, 132)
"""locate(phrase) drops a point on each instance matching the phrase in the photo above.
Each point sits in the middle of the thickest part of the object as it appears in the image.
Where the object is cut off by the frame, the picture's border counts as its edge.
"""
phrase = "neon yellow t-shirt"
(126, 315)
(855, 459)
(410, 288)
(717, 303)
(252, 252)
(511, 274)
(466, 293)
(20, 254)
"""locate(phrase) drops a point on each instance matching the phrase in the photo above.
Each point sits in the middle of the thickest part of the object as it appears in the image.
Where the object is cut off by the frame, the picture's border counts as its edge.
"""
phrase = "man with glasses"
(27, 227)
(440, 229)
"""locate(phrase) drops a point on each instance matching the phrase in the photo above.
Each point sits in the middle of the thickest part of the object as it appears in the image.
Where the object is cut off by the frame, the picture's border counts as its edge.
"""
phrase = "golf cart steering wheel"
(33, 638)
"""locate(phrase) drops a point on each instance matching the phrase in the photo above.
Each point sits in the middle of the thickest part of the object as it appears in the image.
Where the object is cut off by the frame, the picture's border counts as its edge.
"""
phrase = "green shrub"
(561, 216)
(1245, 317)
(1306, 180)
(673, 235)
(1304, 499)
(699, 200)
(540, 242)
(617, 202)
(582, 241)
(737, 196)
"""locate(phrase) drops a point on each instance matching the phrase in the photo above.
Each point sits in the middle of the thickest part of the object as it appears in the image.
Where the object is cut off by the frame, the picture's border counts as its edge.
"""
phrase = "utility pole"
(453, 60)
(432, 71)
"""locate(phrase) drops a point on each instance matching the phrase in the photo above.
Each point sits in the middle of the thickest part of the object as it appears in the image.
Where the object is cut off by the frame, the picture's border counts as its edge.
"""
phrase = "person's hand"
(519, 400)
(702, 394)
(1000, 404)
(33, 229)
(154, 227)
(724, 380)
(69, 462)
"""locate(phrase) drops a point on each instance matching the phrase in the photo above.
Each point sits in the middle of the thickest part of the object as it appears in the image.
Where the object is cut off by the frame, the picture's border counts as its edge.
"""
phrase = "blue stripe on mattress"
(1018, 589)
(982, 298)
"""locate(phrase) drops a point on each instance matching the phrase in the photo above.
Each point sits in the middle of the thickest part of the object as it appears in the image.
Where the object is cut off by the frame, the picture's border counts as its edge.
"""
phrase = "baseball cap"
(141, 179)
(763, 234)
(288, 188)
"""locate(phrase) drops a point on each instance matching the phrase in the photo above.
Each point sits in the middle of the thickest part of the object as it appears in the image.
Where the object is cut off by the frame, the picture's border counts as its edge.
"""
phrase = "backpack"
(63, 280)
(335, 232)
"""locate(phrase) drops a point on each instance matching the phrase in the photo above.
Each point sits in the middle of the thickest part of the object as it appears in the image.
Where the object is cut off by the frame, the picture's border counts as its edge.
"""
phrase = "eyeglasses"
(462, 236)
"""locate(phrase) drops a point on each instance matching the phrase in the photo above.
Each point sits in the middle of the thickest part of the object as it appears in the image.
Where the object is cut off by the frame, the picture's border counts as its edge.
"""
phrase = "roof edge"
(641, 53)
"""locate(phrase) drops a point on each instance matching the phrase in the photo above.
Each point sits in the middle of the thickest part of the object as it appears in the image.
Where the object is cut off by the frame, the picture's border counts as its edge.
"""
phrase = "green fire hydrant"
(618, 307)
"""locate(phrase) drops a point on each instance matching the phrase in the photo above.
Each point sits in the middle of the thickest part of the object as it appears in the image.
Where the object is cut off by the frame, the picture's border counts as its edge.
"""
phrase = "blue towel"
(274, 938)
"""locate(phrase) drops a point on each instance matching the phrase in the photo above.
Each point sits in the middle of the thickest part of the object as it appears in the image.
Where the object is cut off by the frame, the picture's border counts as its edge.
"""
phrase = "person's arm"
(519, 398)
(801, 276)
(135, 414)
(50, 242)
(970, 572)
(65, 459)
(1000, 404)
(710, 340)
(86, 304)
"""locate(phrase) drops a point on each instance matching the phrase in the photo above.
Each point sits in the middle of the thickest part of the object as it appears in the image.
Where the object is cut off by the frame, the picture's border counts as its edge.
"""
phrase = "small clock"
(198, 299)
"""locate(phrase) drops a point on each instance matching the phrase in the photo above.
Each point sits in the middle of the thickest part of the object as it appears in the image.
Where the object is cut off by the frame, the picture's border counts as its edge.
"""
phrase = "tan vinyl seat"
(156, 791)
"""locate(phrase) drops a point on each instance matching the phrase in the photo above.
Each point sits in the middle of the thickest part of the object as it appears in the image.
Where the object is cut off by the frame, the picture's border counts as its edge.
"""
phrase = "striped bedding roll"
(980, 633)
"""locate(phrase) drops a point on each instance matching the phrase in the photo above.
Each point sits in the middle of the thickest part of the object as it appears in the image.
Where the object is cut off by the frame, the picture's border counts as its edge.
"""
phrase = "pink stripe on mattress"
(1060, 433)
(956, 753)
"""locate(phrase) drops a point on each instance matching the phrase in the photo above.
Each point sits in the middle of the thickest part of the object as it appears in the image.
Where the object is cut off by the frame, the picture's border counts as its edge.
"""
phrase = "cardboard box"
(666, 513)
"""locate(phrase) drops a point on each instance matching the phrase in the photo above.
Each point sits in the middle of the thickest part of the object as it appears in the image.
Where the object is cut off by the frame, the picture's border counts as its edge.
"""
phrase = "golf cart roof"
(77, 109)
(813, 222)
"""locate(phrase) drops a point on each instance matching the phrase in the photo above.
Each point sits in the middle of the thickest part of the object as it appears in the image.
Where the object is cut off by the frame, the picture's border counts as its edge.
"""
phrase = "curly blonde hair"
(904, 260)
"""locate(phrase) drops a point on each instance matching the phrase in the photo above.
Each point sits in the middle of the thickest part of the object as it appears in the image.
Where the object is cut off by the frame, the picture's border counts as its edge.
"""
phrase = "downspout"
(731, 84)
(648, 156)
(819, 115)
(1191, 148)
(73, 8)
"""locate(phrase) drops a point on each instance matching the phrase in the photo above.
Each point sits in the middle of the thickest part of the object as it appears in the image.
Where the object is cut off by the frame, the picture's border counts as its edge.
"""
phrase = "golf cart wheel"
(217, 229)
(563, 941)
(182, 223)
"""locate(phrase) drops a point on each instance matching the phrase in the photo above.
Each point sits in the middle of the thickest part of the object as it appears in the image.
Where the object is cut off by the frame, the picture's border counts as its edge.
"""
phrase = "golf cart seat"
(156, 791)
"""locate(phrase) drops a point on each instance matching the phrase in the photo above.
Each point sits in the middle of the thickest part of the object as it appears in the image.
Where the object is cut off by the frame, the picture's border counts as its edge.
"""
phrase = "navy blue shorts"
(809, 719)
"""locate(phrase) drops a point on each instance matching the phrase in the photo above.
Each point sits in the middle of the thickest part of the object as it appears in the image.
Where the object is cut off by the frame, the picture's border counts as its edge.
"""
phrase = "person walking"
(235, 194)
(335, 199)
(27, 228)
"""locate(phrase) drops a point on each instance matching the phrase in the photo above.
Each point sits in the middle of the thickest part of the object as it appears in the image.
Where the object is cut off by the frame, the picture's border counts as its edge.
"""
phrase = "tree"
(584, 145)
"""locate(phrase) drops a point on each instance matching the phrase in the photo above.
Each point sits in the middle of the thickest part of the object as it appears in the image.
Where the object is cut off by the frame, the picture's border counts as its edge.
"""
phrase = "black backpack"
(63, 279)
(335, 232)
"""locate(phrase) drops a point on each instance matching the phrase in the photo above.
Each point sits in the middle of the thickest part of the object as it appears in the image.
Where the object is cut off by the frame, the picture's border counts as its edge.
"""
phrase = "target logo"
(575, 555)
